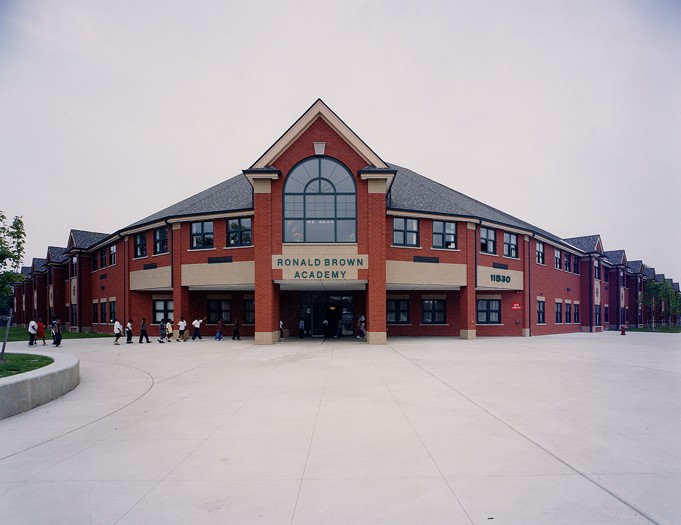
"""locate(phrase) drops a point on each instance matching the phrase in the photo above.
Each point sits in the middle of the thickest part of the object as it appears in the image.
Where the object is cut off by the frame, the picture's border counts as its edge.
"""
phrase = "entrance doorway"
(326, 314)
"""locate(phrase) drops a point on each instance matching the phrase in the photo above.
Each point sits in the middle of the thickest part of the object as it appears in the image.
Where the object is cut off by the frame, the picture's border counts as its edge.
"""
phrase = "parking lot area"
(573, 429)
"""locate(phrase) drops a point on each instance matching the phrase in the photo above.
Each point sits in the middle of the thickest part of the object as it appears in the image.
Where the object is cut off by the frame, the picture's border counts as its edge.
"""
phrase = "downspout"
(125, 274)
(529, 285)
(591, 293)
(79, 271)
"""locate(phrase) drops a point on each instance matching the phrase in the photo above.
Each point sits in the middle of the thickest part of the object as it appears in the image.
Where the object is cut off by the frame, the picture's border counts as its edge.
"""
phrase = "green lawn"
(658, 329)
(20, 363)
(17, 333)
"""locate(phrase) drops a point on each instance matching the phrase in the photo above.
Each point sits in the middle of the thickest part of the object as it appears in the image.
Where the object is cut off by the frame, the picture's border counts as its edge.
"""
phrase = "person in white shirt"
(118, 331)
(181, 326)
(32, 330)
(197, 328)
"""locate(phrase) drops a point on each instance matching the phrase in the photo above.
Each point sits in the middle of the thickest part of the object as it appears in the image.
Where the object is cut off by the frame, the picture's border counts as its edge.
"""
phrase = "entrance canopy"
(322, 284)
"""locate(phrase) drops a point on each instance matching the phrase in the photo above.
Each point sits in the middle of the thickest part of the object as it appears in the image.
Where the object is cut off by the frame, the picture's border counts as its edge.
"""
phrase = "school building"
(320, 228)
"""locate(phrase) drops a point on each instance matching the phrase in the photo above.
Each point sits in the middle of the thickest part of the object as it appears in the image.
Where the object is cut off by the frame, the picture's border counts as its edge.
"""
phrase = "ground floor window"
(162, 309)
(95, 313)
(576, 311)
(219, 309)
(102, 312)
(606, 314)
(568, 313)
(489, 311)
(433, 311)
(249, 311)
(541, 312)
(74, 315)
(597, 315)
(397, 311)
(559, 313)
(112, 310)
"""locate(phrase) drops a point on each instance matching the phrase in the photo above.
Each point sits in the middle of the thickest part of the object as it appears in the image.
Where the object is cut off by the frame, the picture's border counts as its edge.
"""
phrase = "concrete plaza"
(574, 429)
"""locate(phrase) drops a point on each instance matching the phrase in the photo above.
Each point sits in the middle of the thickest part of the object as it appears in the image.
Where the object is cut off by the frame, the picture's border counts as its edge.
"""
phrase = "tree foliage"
(662, 300)
(12, 239)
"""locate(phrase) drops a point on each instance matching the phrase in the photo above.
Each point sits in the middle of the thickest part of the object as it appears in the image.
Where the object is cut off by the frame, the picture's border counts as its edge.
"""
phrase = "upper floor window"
(444, 235)
(510, 245)
(112, 255)
(539, 252)
(320, 203)
(557, 260)
(95, 262)
(606, 275)
(239, 232)
(567, 261)
(102, 258)
(161, 240)
(74, 266)
(575, 264)
(405, 232)
(202, 235)
(597, 270)
(488, 242)
(140, 244)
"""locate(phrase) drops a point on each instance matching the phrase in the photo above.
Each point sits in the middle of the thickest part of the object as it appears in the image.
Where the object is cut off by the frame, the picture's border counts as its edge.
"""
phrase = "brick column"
(467, 304)
(266, 292)
(180, 293)
(527, 297)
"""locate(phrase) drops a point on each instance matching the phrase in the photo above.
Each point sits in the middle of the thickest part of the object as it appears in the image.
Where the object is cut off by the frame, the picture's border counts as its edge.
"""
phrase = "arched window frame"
(325, 211)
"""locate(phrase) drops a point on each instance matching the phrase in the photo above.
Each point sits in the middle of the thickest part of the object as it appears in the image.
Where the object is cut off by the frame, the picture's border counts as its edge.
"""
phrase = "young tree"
(12, 239)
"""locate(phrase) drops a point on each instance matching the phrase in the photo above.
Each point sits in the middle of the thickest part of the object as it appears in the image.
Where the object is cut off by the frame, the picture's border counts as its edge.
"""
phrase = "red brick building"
(321, 230)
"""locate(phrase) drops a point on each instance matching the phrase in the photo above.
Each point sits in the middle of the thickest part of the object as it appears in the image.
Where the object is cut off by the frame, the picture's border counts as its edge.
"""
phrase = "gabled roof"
(235, 194)
(676, 287)
(82, 240)
(25, 271)
(649, 273)
(413, 192)
(617, 257)
(318, 110)
(636, 266)
(38, 265)
(659, 277)
(587, 243)
(56, 255)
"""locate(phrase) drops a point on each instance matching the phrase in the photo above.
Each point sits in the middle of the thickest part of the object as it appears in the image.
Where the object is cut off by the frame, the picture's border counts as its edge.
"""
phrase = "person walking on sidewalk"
(128, 332)
(118, 331)
(143, 330)
(236, 335)
(197, 328)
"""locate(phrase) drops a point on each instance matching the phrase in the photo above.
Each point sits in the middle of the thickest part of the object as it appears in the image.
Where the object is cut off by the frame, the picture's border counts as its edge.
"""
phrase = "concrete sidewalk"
(574, 429)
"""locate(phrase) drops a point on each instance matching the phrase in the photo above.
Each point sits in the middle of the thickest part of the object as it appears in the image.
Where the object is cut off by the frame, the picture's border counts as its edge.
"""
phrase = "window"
(397, 311)
(489, 311)
(202, 235)
(575, 264)
(567, 262)
(162, 309)
(568, 313)
(249, 311)
(74, 315)
(95, 260)
(576, 316)
(320, 202)
(597, 315)
(444, 235)
(539, 252)
(622, 282)
(557, 260)
(102, 258)
(112, 255)
(622, 318)
(510, 245)
(597, 270)
(102, 313)
(606, 314)
(74, 266)
(559, 313)
(112, 311)
(541, 312)
(239, 232)
(141, 245)
(433, 311)
(488, 240)
(160, 240)
(606, 274)
(405, 232)
(219, 309)
(95, 313)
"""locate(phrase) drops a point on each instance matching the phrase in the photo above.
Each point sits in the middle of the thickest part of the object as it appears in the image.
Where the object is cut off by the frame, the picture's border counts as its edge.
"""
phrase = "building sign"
(499, 279)
(320, 266)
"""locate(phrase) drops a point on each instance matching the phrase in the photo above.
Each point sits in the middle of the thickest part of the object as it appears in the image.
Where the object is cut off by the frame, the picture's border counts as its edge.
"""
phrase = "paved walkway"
(576, 429)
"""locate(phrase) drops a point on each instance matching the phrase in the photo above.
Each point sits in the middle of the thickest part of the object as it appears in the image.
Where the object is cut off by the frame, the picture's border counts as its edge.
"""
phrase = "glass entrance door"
(326, 314)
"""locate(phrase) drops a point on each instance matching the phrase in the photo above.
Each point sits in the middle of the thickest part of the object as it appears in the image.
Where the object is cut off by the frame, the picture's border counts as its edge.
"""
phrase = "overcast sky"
(564, 114)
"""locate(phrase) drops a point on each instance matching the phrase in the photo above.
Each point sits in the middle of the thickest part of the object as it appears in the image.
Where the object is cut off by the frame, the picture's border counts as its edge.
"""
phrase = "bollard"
(623, 329)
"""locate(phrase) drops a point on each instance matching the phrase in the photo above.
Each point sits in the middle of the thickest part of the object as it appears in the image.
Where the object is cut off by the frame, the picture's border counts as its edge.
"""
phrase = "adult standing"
(162, 331)
(236, 334)
(128, 332)
(169, 331)
(40, 334)
(181, 327)
(281, 329)
(301, 328)
(118, 330)
(197, 328)
(143, 330)
(32, 331)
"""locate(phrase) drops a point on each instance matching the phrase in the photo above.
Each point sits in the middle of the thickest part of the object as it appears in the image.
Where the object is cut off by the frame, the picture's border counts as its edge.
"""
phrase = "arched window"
(320, 203)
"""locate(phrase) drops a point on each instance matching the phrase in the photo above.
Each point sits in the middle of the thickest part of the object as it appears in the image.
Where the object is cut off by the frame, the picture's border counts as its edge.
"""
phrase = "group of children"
(36, 330)
(165, 328)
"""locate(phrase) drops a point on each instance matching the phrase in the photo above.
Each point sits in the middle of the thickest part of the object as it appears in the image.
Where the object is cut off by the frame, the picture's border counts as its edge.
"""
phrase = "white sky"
(566, 114)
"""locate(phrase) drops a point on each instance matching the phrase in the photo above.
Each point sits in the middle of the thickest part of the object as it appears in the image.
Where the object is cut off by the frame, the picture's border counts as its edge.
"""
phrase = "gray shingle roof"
(84, 239)
(56, 255)
(413, 192)
(587, 243)
(649, 273)
(659, 277)
(38, 265)
(616, 256)
(234, 194)
(636, 266)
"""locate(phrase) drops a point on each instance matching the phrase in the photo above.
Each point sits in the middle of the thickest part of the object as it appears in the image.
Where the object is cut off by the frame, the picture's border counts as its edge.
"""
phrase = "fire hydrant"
(623, 329)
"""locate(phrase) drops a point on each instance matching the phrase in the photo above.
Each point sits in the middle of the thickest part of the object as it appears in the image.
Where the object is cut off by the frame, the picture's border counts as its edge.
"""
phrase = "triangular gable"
(599, 245)
(318, 110)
